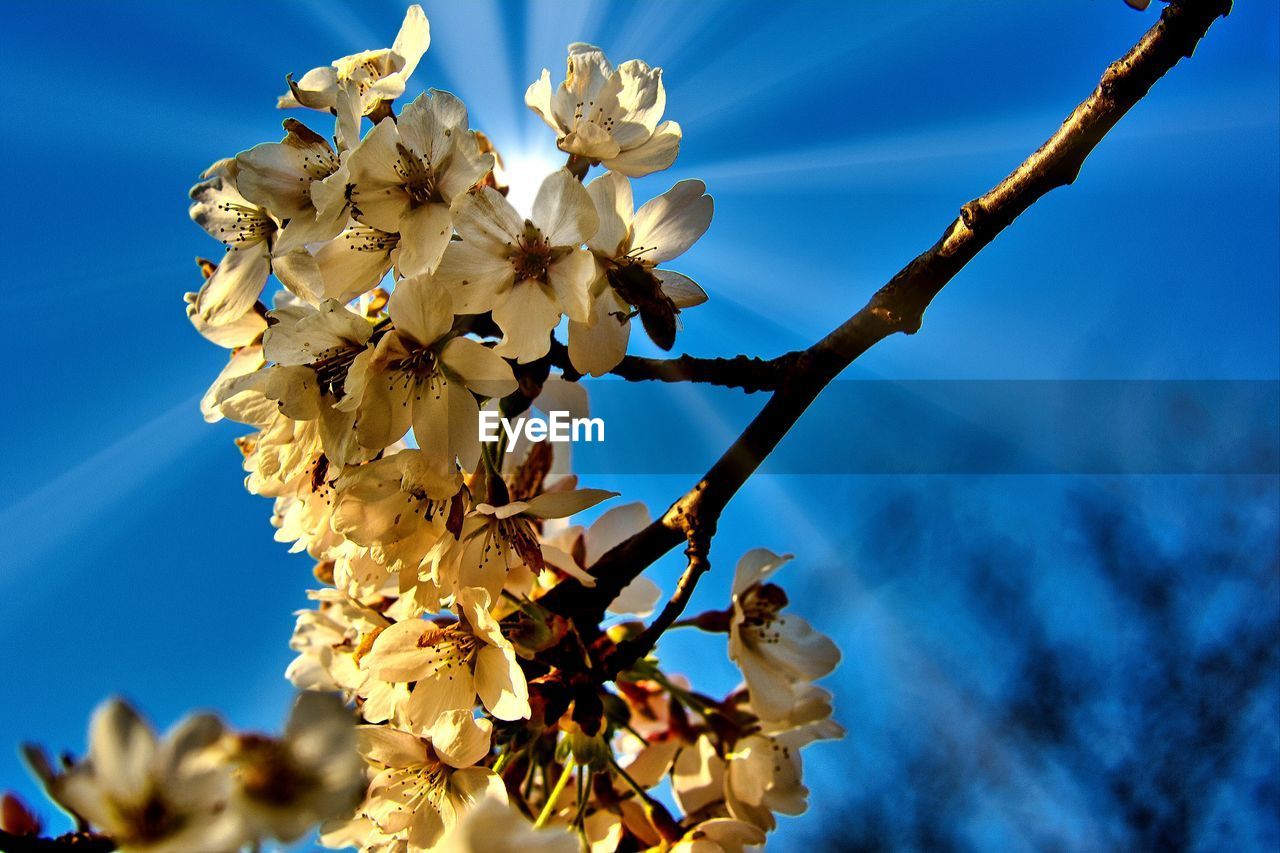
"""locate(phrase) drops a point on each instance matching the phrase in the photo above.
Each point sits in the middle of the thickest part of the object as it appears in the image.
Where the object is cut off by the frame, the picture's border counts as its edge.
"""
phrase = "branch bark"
(900, 304)
(80, 842)
(630, 651)
(749, 373)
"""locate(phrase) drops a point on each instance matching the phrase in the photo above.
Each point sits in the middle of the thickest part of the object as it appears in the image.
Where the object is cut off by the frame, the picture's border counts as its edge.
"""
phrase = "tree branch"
(749, 373)
(900, 304)
(630, 651)
(80, 842)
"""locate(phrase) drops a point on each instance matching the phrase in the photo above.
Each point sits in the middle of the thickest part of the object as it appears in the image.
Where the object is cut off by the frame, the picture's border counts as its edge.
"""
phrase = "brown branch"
(79, 842)
(748, 373)
(630, 651)
(900, 304)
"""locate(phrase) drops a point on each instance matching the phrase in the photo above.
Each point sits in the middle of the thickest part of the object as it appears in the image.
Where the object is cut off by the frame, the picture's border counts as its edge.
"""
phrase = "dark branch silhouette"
(899, 305)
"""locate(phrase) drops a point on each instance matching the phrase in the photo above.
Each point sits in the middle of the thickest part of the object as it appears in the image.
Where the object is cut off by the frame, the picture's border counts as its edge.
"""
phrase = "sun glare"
(524, 171)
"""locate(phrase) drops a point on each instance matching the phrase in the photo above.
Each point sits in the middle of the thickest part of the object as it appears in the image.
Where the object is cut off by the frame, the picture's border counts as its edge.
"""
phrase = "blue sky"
(838, 139)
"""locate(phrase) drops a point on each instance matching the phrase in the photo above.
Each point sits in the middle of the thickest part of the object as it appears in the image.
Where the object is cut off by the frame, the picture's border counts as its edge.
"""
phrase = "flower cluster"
(412, 295)
(203, 788)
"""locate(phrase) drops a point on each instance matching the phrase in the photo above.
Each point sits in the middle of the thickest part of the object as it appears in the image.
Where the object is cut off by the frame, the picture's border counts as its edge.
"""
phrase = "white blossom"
(608, 116)
(779, 654)
(628, 246)
(406, 173)
(528, 272)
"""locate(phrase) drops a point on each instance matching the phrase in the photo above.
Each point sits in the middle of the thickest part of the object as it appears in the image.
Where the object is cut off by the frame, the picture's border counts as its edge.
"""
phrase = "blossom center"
(760, 608)
(250, 224)
(268, 773)
(532, 256)
(331, 367)
(419, 361)
(418, 176)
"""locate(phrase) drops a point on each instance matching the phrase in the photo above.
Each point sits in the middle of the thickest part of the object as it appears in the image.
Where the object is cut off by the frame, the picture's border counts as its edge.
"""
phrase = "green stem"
(549, 808)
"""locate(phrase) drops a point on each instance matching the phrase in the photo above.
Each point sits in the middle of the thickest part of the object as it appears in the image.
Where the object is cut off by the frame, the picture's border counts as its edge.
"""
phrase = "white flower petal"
(487, 221)
(412, 40)
(669, 224)
(611, 195)
(570, 278)
(658, 153)
(564, 211)
(637, 598)
(123, 749)
(501, 685)
(235, 285)
(478, 367)
(424, 233)
(565, 504)
(756, 566)
(526, 314)
(421, 308)
(475, 275)
(681, 289)
(599, 346)
(460, 739)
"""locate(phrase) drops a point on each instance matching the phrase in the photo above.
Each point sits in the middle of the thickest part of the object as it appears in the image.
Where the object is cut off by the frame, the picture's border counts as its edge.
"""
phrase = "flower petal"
(478, 367)
(614, 527)
(402, 652)
(412, 40)
(598, 346)
(526, 314)
(460, 739)
(656, 154)
(235, 285)
(571, 278)
(681, 289)
(615, 208)
(122, 748)
(421, 308)
(501, 685)
(565, 504)
(756, 566)
(424, 233)
(669, 224)
(564, 211)
(475, 276)
(487, 220)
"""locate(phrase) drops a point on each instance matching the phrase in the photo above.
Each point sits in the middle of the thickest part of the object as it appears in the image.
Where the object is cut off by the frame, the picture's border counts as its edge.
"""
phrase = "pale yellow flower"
(778, 653)
(528, 272)
(424, 787)
(406, 173)
(628, 246)
(608, 116)
(151, 795)
(422, 374)
(312, 773)
(301, 181)
(453, 665)
(356, 85)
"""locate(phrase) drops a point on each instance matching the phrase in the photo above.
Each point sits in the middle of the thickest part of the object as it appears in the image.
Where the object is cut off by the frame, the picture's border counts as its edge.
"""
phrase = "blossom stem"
(654, 810)
(549, 808)
(578, 166)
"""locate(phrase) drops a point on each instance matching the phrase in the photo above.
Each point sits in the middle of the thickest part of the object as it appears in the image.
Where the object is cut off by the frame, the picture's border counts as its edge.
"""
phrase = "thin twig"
(900, 304)
(632, 650)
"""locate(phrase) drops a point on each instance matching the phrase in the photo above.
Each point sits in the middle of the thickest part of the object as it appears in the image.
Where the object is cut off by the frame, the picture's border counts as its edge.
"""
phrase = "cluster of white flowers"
(203, 788)
(414, 296)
